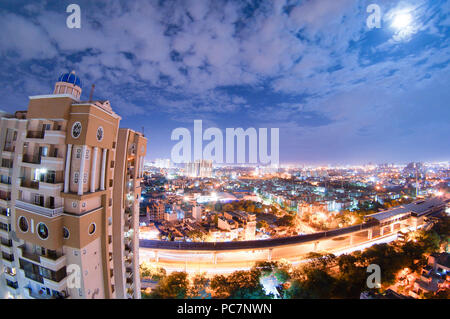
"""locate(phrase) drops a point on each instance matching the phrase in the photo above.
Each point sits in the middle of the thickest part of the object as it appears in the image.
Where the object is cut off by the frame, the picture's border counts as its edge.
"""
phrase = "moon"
(401, 21)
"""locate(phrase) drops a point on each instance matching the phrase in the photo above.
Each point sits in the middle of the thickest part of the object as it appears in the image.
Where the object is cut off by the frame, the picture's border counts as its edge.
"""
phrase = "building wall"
(79, 222)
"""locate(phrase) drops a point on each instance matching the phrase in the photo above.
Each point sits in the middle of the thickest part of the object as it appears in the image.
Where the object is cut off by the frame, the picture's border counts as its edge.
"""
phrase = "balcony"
(12, 284)
(4, 233)
(29, 184)
(55, 163)
(46, 211)
(5, 196)
(6, 163)
(35, 134)
(129, 283)
(6, 242)
(4, 213)
(31, 256)
(30, 294)
(10, 276)
(130, 293)
(9, 147)
(56, 285)
(5, 185)
(7, 257)
(32, 276)
(31, 159)
(52, 260)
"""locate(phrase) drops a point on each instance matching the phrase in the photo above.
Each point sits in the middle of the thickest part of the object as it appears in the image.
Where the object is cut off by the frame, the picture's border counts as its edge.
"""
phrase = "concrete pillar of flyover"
(351, 239)
(269, 255)
(156, 256)
(370, 234)
(316, 245)
(381, 231)
(215, 258)
(392, 228)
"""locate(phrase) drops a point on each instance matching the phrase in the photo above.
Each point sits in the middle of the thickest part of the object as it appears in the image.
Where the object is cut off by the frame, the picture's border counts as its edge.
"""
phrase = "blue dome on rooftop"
(70, 78)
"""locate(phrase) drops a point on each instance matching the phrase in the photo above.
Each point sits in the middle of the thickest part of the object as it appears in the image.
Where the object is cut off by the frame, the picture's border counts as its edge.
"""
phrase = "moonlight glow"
(401, 21)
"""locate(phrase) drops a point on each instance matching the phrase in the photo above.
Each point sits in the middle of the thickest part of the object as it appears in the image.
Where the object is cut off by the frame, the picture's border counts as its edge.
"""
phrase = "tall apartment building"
(69, 196)
(199, 168)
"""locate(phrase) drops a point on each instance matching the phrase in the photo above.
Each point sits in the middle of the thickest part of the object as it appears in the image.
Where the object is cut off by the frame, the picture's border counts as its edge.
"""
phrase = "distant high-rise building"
(70, 202)
(163, 163)
(199, 168)
(197, 213)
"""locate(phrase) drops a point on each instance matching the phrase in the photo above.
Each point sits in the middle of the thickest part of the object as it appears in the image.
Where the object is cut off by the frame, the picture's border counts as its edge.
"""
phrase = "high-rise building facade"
(70, 202)
(199, 168)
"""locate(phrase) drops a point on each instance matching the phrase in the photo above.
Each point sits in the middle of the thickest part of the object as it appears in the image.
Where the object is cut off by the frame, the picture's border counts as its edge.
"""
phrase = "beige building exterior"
(69, 199)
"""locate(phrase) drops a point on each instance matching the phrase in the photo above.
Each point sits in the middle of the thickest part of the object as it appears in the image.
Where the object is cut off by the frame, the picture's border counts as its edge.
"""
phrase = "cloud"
(309, 67)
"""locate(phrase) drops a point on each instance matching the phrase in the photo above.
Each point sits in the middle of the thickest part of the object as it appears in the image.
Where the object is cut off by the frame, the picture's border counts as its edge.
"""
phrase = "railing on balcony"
(29, 184)
(7, 257)
(52, 255)
(9, 147)
(4, 212)
(35, 134)
(6, 242)
(5, 196)
(47, 211)
(5, 181)
(34, 276)
(12, 284)
(6, 163)
(31, 159)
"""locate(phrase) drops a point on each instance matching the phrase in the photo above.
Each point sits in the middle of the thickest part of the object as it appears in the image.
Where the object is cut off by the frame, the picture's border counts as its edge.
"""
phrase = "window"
(87, 154)
(84, 178)
(74, 204)
(110, 183)
(66, 233)
(75, 177)
(42, 231)
(78, 153)
(112, 164)
(23, 224)
(99, 133)
(91, 229)
(76, 129)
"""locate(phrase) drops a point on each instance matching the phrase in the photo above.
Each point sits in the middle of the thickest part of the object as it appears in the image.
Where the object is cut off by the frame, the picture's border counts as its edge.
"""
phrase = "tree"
(262, 224)
(198, 287)
(174, 286)
(286, 220)
(220, 286)
(319, 284)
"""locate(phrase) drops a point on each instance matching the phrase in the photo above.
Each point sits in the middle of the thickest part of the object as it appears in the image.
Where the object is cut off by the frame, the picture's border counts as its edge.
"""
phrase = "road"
(226, 261)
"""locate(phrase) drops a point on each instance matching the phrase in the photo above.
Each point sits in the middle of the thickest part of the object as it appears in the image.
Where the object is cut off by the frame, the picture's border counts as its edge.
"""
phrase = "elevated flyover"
(234, 255)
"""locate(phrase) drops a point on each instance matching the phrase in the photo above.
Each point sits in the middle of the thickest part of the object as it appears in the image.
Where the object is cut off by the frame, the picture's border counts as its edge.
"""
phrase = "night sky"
(340, 92)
